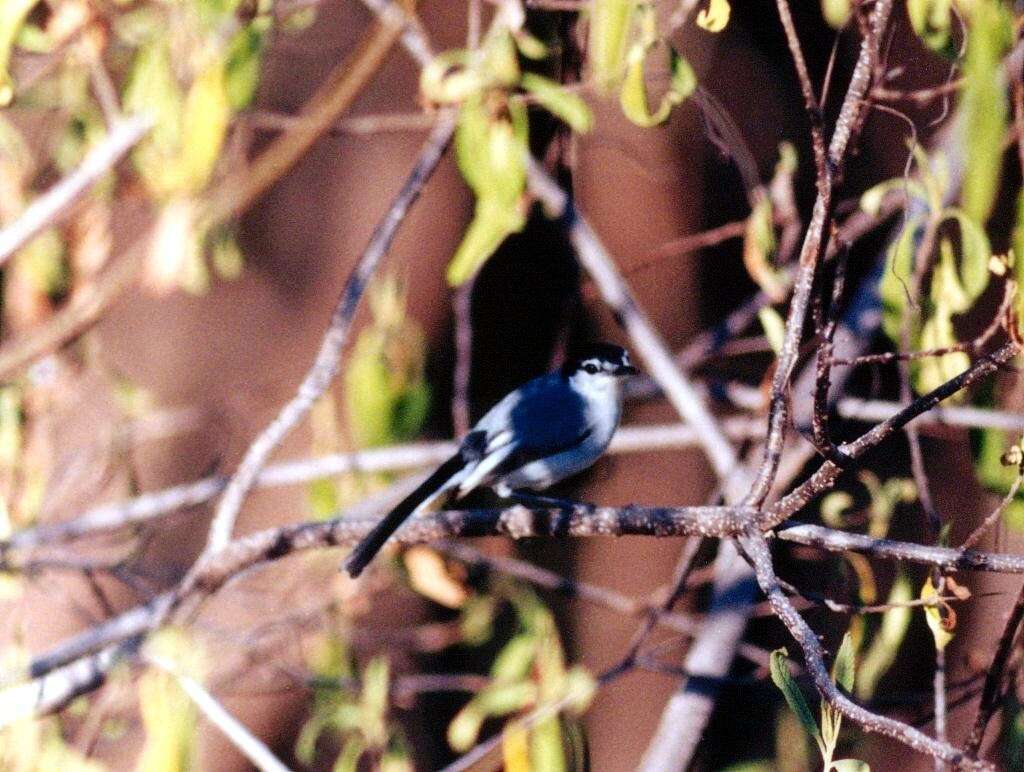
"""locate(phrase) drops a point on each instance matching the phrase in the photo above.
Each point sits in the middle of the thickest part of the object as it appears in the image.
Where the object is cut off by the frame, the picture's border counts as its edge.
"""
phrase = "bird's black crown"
(605, 357)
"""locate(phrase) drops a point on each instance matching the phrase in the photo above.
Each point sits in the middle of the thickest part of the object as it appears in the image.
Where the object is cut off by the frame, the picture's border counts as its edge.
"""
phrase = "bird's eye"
(590, 368)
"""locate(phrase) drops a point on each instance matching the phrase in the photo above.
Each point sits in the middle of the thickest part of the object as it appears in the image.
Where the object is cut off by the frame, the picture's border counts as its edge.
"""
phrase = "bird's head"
(599, 365)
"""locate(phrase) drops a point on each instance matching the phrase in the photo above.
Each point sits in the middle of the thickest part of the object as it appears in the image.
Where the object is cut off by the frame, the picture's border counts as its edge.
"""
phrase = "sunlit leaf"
(515, 748)
(939, 625)
(898, 272)
(836, 12)
(152, 89)
(782, 678)
(773, 325)
(12, 16)
(204, 126)
(844, 668)
(983, 104)
(931, 21)
(633, 97)
(933, 371)
(758, 249)
(242, 63)
(715, 17)
(429, 577)
(976, 252)
(546, 748)
(872, 198)
(850, 765)
(557, 100)
(610, 25)
(885, 645)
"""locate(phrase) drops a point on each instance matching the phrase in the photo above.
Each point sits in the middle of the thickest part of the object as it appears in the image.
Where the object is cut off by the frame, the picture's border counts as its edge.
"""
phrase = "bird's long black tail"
(365, 551)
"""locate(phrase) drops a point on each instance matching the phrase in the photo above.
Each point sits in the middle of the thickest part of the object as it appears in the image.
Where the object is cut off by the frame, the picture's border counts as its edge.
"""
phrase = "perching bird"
(546, 430)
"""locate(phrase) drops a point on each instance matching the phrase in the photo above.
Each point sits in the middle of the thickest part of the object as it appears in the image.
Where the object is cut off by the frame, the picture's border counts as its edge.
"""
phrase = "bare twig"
(757, 549)
(251, 746)
(328, 359)
(47, 209)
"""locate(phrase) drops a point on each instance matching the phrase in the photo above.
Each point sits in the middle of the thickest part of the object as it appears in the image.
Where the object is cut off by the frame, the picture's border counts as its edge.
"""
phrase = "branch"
(251, 746)
(853, 104)
(594, 258)
(328, 359)
(757, 549)
(47, 209)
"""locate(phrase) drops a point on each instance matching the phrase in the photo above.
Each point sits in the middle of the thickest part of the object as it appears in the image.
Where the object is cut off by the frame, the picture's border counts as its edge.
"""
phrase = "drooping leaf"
(782, 678)
(12, 16)
(850, 765)
(633, 97)
(204, 126)
(242, 63)
(983, 104)
(931, 21)
(942, 630)
(773, 325)
(844, 668)
(758, 249)
(898, 272)
(836, 12)
(885, 645)
(975, 253)
(610, 25)
(715, 17)
(558, 101)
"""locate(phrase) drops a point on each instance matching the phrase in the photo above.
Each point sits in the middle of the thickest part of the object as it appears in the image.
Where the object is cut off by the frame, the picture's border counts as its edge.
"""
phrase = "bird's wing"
(543, 417)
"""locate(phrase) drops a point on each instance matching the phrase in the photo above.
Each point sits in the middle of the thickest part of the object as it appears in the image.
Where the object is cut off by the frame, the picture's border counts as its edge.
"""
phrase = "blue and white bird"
(546, 430)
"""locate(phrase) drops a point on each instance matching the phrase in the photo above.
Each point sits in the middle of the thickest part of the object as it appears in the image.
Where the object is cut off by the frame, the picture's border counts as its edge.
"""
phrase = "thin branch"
(757, 548)
(991, 694)
(328, 359)
(652, 349)
(250, 746)
(46, 210)
(853, 105)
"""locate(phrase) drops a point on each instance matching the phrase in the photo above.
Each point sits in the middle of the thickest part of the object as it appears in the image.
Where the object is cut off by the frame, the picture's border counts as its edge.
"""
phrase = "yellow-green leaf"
(884, 647)
(931, 21)
(794, 697)
(633, 97)
(836, 12)
(715, 16)
(844, 668)
(204, 126)
(12, 16)
(983, 104)
(560, 102)
(758, 249)
(976, 251)
(893, 288)
(933, 615)
(774, 327)
(610, 25)
(242, 63)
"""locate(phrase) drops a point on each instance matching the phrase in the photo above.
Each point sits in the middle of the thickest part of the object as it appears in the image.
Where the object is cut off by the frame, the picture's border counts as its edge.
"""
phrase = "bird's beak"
(625, 370)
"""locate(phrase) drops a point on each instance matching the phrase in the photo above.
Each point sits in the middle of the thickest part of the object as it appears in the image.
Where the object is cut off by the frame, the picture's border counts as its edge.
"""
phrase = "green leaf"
(833, 506)
(933, 371)
(204, 126)
(976, 252)
(546, 747)
(561, 103)
(844, 668)
(492, 157)
(898, 271)
(715, 17)
(12, 16)
(242, 63)
(774, 327)
(610, 25)
(633, 97)
(983, 104)
(514, 661)
(794, 698)
(872, 198)
(933, 616)
(884, 647)
(836, 12)
(931, 21)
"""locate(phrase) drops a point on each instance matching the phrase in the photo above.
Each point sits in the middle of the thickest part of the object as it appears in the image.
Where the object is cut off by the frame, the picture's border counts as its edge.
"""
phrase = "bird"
(548, 429)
